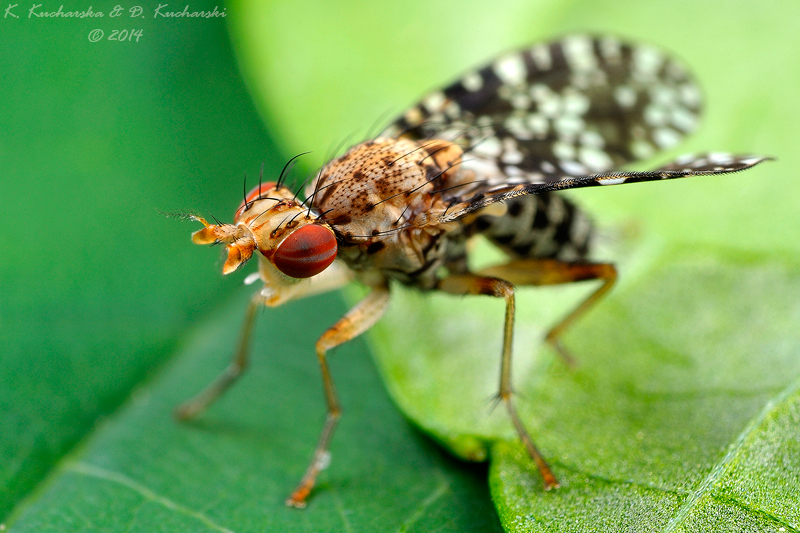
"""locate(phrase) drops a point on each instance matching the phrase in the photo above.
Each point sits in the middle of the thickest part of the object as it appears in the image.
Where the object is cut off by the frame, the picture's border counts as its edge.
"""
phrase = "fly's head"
(294, 244)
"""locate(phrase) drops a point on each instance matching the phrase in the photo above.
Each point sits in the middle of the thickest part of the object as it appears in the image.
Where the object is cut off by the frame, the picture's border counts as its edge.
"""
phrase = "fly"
(485, 155)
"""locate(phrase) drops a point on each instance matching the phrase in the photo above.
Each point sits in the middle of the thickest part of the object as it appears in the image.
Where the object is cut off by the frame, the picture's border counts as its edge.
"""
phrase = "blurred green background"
(99, 287)
(109, 316)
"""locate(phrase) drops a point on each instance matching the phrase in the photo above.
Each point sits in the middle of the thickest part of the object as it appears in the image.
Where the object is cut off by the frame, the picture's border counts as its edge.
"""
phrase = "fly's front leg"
(499, 288)
(553, 272)
(358, 320)
(335, 276)
(196, 405)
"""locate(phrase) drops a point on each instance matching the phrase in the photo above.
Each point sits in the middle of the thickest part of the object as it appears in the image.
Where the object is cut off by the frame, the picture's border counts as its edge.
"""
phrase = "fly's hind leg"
(199, 403)
(554, 272)
(500, 288)
(358, 320)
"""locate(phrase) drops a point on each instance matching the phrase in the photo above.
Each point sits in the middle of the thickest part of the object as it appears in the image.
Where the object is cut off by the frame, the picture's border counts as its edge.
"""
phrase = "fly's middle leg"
(499, 288)
(358, 320)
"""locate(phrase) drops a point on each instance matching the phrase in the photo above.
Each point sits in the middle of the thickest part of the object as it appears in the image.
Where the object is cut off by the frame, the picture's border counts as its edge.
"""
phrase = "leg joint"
(497, 287)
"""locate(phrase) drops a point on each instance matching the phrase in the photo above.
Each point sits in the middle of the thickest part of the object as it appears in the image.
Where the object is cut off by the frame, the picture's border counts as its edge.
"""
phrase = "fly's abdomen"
(539, 226)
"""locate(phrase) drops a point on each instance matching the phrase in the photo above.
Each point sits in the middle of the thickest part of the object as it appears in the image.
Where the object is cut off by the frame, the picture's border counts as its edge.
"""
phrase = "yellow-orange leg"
(199, 403)
(358, 320)
(499, 288)
(553, 272)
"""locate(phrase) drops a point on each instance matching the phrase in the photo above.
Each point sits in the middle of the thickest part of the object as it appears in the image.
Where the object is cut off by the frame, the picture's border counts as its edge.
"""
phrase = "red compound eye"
(258, 191)
(306, 252)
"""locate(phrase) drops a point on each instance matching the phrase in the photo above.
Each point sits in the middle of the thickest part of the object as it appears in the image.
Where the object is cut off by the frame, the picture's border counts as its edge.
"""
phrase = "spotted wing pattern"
(577, 106)
(562, 115)
(683, 167)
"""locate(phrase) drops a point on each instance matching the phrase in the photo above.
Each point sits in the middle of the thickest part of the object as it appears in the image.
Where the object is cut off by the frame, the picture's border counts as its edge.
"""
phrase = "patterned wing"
(573, 107)
(683, 167)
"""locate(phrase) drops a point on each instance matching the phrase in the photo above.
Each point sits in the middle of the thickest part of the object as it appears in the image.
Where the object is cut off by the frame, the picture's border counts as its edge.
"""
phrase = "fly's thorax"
(385, 184)
(383, 199)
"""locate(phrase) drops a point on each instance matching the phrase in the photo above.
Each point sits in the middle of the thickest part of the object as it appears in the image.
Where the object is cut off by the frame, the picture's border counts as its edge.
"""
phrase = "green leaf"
(656, 421)
(682, 414)
(695, 428)
(232, 469)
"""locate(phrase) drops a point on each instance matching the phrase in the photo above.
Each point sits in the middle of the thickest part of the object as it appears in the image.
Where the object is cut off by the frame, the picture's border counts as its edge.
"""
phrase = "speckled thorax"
(382, 199)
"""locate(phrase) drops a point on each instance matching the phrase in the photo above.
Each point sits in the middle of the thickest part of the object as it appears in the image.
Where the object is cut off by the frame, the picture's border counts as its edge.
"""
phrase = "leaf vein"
(613, 481)
(101, 473)
(438, 492)
(733, 450)
(342, 513)
(789, 528)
